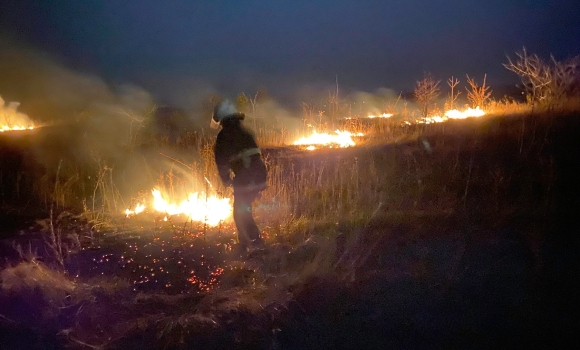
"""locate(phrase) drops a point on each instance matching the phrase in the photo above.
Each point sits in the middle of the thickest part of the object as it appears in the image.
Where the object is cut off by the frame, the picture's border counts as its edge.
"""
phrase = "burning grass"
(342, 226)
(453, 114)
(334, 183)
(340, 139)
(198, 207)
(346, 138)
(437, 213)
(11, 119)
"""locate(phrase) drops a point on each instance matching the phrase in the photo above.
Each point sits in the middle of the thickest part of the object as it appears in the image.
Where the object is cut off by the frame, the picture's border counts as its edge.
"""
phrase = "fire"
(341, 139)
(432, 120)
(345, 138)
(11, 119)
(373, 116)
(384, 115)
(453, 114)
(469, 113)
(139, 208)
(15, 128)
(198, 207)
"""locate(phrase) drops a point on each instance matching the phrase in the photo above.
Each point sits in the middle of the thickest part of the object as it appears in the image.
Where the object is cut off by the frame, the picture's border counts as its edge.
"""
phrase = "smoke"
(78, 118)
(272, 115)
(366, 103)
(50, 93)
(93, 122)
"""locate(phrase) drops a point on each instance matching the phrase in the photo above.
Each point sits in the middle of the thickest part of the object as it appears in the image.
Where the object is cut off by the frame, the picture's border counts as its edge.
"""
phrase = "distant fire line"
(344, 138)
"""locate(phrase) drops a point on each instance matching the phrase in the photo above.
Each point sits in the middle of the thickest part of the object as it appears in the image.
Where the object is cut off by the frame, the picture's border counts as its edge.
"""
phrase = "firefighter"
(237, 153)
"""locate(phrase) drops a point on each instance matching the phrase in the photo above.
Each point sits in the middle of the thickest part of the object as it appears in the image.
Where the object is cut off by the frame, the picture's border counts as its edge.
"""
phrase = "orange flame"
(453, 114)
(210, 210)
(341, 139)
(11, 119)
(139, 208)
(468, 113)
(384, 115)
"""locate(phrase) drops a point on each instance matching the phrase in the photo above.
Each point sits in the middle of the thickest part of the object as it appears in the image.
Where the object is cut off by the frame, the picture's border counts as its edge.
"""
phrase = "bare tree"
(566, 81)
(533, 73)
(426, 91)
(453, 95)
(261, 96)
(546, 82)
(253, 102)
(479, 94)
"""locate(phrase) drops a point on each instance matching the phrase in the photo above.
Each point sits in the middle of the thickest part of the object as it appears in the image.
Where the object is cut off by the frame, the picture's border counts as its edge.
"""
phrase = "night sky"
(237, 46)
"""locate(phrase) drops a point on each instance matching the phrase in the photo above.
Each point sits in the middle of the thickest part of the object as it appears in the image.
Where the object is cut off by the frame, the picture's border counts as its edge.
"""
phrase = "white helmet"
(223, 110)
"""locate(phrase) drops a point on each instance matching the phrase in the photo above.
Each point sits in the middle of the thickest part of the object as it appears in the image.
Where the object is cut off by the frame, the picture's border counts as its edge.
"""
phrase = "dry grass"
(317, 210)
(325, 185)
(99, 314)
(97, 187)
(322, 185)
(35, 275)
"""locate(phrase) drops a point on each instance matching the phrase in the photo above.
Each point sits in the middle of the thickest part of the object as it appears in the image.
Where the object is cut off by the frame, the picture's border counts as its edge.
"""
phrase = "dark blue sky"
(239, 45)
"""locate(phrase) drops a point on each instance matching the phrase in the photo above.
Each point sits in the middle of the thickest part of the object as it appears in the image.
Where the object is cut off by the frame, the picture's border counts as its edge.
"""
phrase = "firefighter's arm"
(222, 161)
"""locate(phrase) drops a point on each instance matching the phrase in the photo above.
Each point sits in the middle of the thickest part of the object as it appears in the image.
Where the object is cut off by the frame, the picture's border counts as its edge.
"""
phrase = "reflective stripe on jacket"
(236, 150)
(245, 156)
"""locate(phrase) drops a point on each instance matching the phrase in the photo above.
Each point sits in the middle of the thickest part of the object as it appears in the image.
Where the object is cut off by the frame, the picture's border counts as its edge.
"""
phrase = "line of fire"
(211, 208)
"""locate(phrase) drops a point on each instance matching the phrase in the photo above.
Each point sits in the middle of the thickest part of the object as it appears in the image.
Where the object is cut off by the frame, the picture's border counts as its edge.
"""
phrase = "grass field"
(454, 235)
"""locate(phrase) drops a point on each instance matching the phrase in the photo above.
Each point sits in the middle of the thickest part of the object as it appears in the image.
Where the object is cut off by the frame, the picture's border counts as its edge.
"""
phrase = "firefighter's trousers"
(248, 231)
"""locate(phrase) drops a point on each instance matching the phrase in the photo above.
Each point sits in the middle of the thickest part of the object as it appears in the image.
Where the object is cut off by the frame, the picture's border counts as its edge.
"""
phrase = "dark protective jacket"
(236, 150)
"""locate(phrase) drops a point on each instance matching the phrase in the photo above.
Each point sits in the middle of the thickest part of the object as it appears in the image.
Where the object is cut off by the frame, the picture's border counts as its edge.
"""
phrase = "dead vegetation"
(426, 92)
(548, 83)
(348, 212)
(246, 309)
(478, 95)
(410, 206)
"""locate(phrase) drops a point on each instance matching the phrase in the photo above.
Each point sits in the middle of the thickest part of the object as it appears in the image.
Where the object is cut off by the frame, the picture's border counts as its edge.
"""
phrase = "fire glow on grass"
(345, 138)
(198, 207)
(14, 128)
(341, 139)
(454, 114)
(384, 115)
